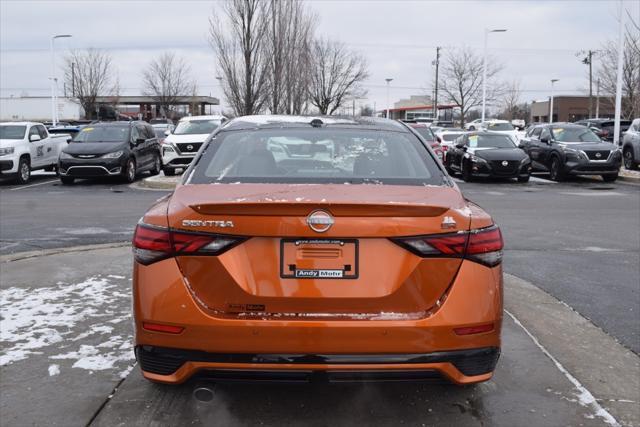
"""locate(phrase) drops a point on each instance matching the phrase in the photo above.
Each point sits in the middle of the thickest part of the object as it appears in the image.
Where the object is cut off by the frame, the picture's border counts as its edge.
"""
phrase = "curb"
(156, 183)
(629, 178)
(57, 251)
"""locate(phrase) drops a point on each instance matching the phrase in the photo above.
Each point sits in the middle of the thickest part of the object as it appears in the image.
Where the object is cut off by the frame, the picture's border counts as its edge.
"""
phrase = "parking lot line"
(585, 398)
(32, 185)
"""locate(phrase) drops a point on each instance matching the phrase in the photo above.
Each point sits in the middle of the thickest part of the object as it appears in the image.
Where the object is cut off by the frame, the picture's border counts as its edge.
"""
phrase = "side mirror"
(545, 139)
(33, 138)
(140, 141)
(460, 146)
(521, 146)
(167, 132)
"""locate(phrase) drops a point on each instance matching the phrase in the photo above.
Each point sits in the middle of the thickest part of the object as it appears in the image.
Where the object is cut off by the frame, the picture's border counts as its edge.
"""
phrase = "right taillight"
(482, 245)
(152, 243)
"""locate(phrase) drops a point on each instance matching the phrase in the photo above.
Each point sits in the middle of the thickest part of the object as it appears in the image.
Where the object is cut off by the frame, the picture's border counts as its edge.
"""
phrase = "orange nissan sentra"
(299, 247)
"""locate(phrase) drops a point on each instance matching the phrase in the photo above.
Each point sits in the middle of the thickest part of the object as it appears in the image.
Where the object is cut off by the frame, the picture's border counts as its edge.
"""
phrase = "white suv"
(181, 146)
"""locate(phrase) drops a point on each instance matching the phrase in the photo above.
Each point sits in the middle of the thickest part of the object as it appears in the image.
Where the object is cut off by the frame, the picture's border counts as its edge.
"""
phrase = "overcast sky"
(397, 37)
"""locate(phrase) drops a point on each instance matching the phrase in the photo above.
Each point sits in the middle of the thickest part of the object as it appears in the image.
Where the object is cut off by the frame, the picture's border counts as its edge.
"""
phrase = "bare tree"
(607, 72)
(511, 99)
(289, 34)
(336, 75)
(461, 80)
(90, 73)
(167, 79)
(237, 31)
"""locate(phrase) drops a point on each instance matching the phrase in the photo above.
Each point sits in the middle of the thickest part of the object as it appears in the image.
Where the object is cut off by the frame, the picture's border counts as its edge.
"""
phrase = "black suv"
(604, 127)
(120, 149)
(569, 149)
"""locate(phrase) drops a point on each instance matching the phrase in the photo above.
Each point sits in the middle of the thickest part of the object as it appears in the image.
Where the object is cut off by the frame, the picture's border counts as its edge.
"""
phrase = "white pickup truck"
(27, 146)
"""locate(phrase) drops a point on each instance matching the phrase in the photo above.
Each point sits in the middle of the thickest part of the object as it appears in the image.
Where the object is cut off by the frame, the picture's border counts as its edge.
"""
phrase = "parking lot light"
(54, 80)
(484, 68)
(551, 103)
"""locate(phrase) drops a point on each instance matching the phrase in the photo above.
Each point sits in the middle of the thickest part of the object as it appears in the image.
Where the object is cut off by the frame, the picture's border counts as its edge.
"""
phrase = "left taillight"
(483, 245)
(152, 243)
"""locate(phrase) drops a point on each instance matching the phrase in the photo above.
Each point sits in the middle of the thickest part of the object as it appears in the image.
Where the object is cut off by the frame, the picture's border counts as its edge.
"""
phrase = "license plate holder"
(319, 259)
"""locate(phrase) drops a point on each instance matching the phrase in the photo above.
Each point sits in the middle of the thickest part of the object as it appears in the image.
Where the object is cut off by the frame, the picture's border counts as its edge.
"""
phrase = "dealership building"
(570, 108)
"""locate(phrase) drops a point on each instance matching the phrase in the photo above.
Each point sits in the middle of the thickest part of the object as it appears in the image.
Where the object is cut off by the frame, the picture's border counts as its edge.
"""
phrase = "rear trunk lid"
(270, 275)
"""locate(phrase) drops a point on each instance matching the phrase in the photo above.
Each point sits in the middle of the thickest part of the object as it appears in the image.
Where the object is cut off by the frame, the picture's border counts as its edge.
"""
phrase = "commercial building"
(417, 107)
(570, 108)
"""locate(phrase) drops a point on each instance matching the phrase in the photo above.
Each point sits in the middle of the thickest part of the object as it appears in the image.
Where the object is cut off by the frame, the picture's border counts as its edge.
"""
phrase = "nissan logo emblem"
(505, 163)
(190, 147)
(598, 155)
(320, 221)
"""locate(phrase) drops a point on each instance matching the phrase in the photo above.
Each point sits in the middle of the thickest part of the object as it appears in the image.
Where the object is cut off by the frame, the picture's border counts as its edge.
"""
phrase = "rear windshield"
(490, 141)
(12, 132)
(196, 127)
(326, 155)
(574, 134)
(425, 133)
(103, 134)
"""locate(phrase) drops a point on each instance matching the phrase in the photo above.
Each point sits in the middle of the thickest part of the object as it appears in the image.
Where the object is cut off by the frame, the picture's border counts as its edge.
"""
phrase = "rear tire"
(447, 166)
(157, 165)
(67, 180)
(629, 161)
(609, 178)
(129, 173)
(524, 179)
(466, 174)
(24, 171)
(555, 171)
(169, 171)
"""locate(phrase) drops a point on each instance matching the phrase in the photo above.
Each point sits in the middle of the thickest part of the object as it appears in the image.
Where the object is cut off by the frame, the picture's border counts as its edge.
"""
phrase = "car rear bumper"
(208, 342)
(160, 363)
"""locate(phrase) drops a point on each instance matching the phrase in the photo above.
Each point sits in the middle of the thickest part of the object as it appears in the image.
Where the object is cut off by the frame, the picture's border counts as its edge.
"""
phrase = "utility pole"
(588, 60)
(435, 101)
(551, 103)
(598, 99)
(388, 80)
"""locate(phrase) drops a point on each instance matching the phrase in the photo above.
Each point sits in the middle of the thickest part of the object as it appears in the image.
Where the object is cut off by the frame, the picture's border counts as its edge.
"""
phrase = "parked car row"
(102, 149)
(561, 149)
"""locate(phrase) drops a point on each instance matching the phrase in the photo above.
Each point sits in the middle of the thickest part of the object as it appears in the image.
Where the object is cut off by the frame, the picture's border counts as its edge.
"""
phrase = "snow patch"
(54, 370)
(60, 315)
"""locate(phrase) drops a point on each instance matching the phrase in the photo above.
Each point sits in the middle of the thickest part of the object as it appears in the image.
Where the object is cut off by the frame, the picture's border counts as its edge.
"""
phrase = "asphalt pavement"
(569, 246)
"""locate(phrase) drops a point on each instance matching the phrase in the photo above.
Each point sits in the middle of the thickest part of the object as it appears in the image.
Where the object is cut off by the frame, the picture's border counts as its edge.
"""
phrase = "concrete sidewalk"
(66, 339)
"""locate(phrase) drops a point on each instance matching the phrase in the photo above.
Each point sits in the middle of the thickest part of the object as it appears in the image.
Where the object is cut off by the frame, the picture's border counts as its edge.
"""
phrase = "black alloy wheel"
(157, 165)
(556, 170)
(629, 161)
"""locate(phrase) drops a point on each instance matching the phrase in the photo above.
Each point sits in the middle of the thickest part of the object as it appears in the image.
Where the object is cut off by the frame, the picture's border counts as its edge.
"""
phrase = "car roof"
(19, 123)
(189, 118)
(271, 121)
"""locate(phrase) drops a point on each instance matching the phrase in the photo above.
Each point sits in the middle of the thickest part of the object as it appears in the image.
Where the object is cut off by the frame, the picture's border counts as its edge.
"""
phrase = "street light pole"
(388, 107)
(54, 80)
(219, 79)
(484, 69)
(551, 103)
(618, 111)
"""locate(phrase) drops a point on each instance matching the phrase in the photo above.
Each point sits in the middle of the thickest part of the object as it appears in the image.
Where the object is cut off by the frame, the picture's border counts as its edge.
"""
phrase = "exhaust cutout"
(203, 394)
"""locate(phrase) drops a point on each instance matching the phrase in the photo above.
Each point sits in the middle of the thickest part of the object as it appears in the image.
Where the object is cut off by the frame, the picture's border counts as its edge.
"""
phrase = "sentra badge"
(206, 223)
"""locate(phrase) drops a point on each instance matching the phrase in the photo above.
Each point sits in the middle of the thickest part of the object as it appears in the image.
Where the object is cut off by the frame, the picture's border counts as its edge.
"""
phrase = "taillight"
(151, 243)
(482, 245)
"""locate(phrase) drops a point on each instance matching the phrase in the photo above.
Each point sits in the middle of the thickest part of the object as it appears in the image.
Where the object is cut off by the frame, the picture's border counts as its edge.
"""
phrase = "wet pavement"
(71, 351)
